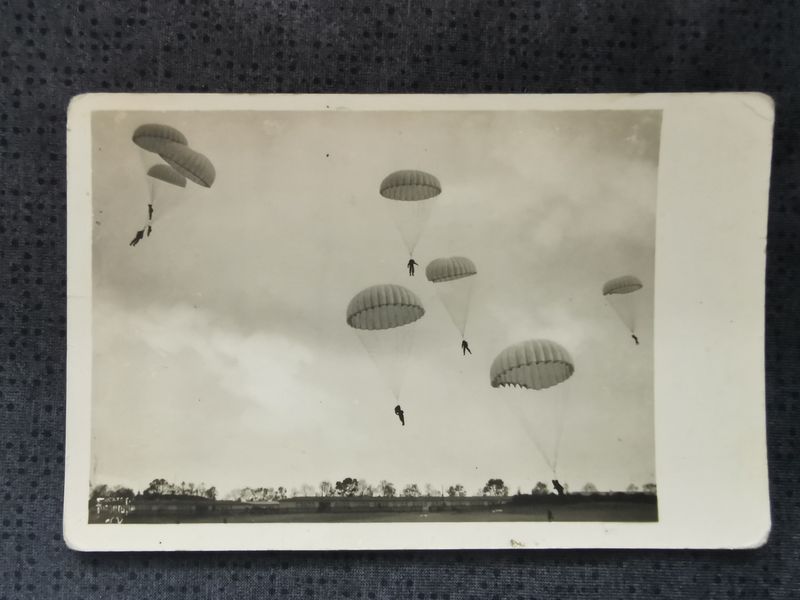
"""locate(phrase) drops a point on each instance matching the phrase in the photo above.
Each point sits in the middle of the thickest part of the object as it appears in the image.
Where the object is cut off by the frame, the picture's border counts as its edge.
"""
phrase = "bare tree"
(387, 489)
(431, 491)
(365, 489)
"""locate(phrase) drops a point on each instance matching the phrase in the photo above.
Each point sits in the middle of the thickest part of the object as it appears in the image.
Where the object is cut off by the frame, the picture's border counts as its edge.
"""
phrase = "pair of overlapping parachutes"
(180, 162)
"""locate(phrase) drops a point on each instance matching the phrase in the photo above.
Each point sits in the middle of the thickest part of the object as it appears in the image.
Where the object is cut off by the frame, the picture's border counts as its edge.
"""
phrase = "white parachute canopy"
(453, 278)
(383, 316)
(409, 195)
(539, 368)
(621, 295)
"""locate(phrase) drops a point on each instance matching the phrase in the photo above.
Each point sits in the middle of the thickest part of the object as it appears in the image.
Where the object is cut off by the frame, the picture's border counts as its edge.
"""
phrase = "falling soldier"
(558, 487)
(411, 264)
(635, 339)
(401, 415)
(465, 347)
(138, 238)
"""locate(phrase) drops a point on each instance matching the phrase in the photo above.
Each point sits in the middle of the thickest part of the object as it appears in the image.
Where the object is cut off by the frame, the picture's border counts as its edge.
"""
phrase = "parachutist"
(635, 339)
(150, 212)
(400, 414)
(411, 264)
(138, 238)
(558, 487)
(149, 230)
(465, 347)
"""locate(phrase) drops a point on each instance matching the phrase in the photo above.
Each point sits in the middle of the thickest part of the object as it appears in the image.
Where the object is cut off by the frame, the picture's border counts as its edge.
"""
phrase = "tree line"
(347, 487)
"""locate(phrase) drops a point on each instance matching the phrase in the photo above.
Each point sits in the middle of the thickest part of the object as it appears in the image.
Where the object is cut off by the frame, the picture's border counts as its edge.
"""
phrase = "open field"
(582, 509)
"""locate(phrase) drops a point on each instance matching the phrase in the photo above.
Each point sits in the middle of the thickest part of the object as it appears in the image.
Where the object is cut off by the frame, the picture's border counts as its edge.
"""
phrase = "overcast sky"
(221, 351)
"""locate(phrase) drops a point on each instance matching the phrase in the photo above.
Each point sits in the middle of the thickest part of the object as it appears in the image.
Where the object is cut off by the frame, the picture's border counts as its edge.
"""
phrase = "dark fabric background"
(52, 51)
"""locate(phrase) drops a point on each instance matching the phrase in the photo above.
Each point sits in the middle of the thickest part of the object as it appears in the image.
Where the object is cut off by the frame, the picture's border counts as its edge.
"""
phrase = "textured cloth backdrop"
(51, 51)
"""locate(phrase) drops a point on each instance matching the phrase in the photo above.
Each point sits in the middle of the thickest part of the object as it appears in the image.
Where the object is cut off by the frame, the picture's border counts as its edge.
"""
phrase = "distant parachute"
(620, 293)
(410, 194)
(383, 317)
(453, 277)
(622, 285)
(189, 163)
(151, 137)
(537, 365)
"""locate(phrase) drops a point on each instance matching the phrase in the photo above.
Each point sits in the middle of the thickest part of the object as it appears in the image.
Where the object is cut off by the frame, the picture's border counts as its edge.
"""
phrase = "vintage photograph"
(353, 316)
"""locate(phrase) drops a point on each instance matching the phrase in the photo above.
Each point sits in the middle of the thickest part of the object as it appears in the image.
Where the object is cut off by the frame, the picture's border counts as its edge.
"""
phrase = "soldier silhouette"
(400, 414)
(558, 487)
(411, 264)
(138, 238)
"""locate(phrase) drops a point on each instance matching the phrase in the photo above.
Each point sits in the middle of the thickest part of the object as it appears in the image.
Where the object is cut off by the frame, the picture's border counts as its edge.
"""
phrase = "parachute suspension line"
(563, 408)
(410, 219)
(468, 304)
(383, 317)
(624, 316)
(528, 428)
(390, 352)
(145, 158)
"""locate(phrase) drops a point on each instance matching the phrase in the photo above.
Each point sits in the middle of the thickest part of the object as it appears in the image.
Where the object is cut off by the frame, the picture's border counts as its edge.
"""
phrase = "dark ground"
(599, 510)
(50, 51)
(614, 513)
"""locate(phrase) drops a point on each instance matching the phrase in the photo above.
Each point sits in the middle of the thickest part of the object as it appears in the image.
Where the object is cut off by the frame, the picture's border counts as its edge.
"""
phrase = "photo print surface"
(355, 316)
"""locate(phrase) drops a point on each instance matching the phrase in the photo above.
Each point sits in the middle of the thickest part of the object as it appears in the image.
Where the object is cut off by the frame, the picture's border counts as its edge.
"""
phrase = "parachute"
(620, 295)
(410, 195)
(167, 174)
(410, 186)
(152, 137)
(537, 365)
(453, 277)
(189, 163)
(382, 316)
(157, 142)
